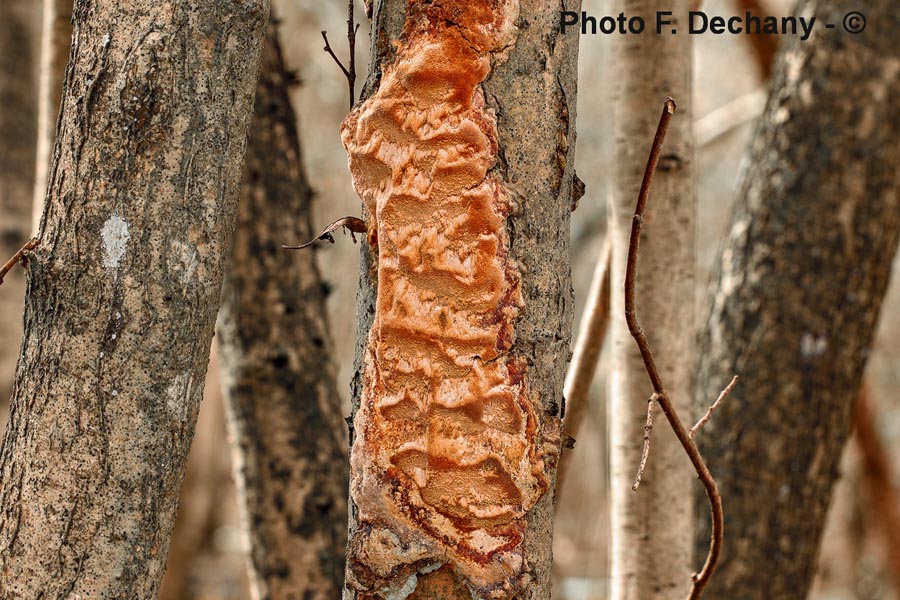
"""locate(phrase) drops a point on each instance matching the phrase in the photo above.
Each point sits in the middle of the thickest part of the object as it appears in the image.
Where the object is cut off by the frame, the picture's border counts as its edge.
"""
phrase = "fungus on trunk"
(448, 456)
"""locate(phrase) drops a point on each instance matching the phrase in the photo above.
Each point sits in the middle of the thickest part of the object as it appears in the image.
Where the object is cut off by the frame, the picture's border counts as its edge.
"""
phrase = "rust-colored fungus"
(445, 463)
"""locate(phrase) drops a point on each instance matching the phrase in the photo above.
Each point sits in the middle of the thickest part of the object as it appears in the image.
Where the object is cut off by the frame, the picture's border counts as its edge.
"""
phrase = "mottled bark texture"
(284, 411)
(507, 69)
(652, 528)
(19, 32)
(796, 294)
(56, 43)
(123, 292)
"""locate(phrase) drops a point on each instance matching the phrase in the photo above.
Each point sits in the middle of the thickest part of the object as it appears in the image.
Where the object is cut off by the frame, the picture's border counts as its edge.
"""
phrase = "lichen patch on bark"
(115, 241)
(445, 464)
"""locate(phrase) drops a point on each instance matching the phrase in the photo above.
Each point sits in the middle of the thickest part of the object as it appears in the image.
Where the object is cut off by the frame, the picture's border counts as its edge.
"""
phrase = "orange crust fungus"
(445, 463)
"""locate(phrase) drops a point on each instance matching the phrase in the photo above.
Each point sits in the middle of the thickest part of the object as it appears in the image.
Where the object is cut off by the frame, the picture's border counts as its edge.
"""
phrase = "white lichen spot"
(106, 40)
(188, 259)
(806, 93)
(782, 116)
(891, 68)
(784, 491)
(431, 568)
(879, 87)
(405, 591)
(178, 396)
(739, 229)
(115, 240)
(812, 345)
(794, 66)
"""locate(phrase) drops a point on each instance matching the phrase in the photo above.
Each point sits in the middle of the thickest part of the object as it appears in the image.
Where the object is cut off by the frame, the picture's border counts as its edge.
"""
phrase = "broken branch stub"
(19, 257)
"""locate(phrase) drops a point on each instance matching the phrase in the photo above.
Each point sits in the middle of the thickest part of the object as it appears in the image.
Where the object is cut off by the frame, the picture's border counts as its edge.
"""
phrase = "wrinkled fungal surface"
(445, 463)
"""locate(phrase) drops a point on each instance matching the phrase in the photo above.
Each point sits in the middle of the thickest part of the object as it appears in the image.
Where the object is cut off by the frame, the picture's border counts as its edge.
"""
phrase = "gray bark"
(123, 292)
(19, 43)
(284, 411)
(531, 89)
(652, 529)
(796, 294)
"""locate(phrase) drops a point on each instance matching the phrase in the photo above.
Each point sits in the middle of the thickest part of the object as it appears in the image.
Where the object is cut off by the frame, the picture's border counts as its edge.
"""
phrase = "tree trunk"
(652, 528)
(464, 157)
(56, 42)
(283, 406)
(796, 294)
(123, 292)
(19, 32)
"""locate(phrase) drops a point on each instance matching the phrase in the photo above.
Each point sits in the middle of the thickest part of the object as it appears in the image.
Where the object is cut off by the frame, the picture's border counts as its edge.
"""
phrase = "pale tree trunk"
(123, 292)
(796, 295)
(56, 42)
(464, 157)
(652, 528)
(283, 405)
(19, 35)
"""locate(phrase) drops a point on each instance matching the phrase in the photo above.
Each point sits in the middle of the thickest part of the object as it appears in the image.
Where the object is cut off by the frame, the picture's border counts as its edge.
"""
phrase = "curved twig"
(701, 579)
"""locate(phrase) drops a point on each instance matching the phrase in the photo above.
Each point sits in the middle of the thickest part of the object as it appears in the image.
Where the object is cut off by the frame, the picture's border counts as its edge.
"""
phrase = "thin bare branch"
(648, 429)
(351, 224)
(730, 116)
(350, 70)
(701, 579)
(589, 344)
(19, 256)
(331, 53)
(709, 413)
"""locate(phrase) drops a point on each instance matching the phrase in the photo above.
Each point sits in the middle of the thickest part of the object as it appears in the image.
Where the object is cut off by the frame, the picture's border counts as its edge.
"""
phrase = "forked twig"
(18, 257)
(701, 579)
(350, 70)
(709, 413)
